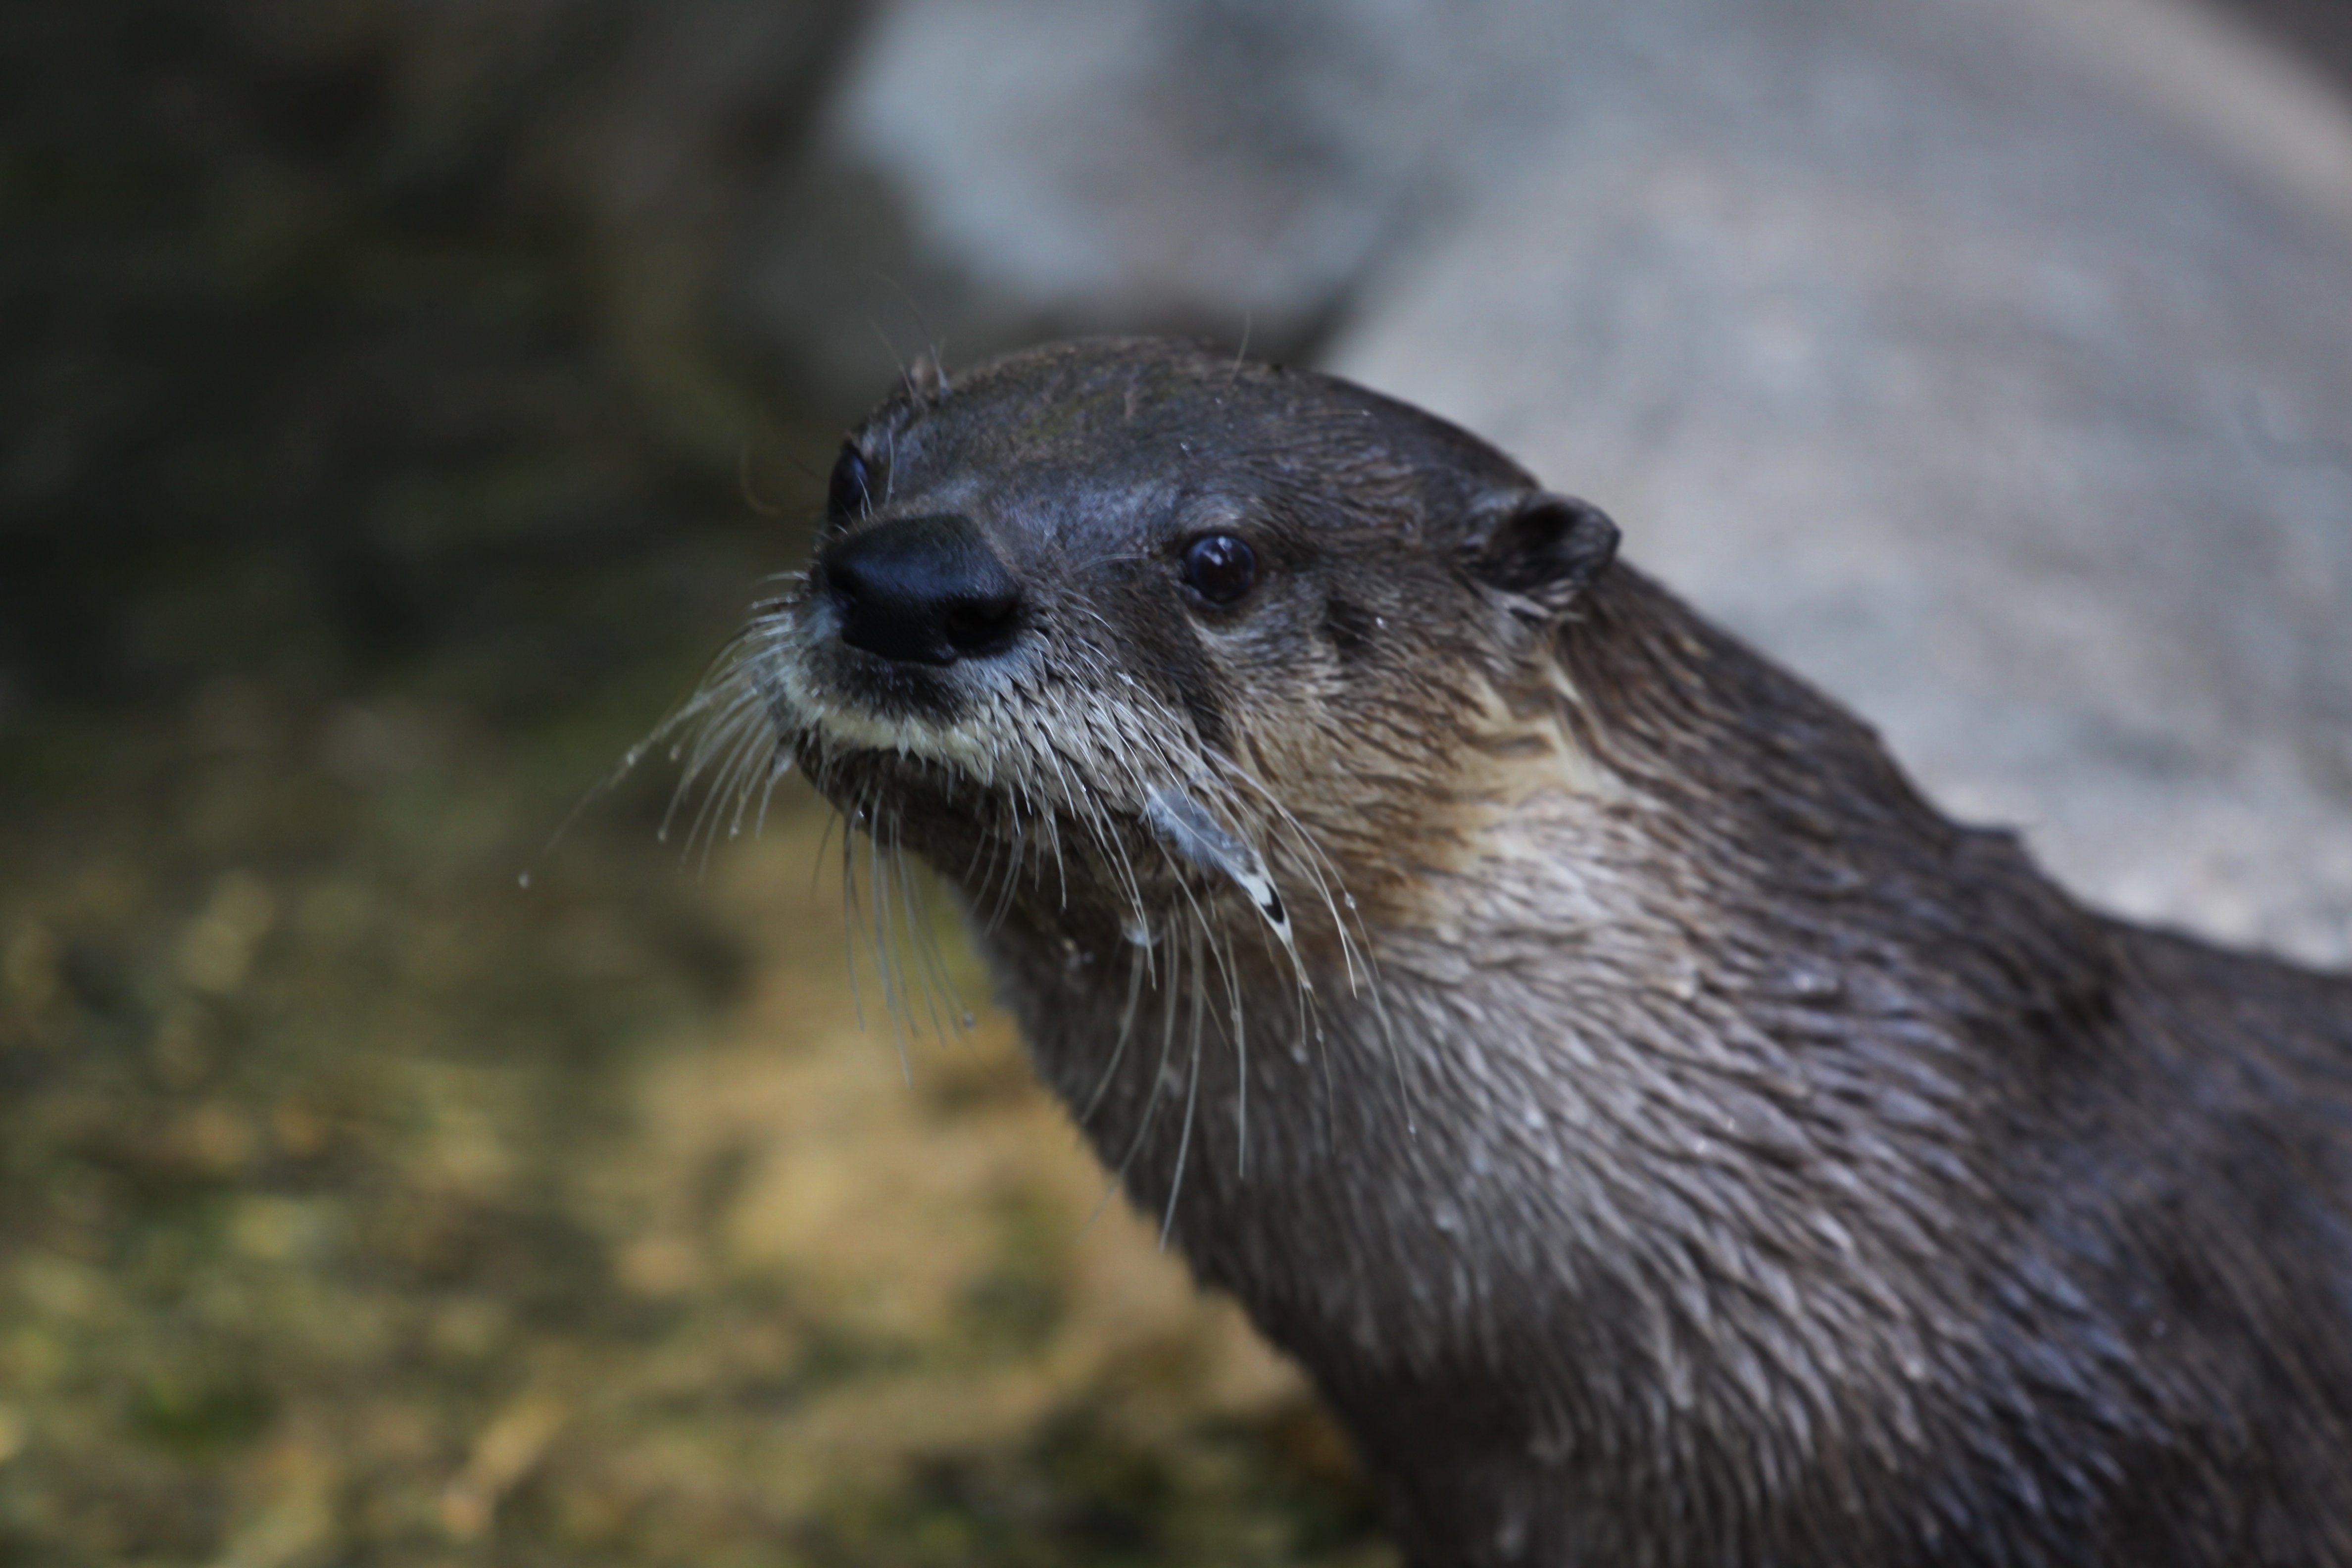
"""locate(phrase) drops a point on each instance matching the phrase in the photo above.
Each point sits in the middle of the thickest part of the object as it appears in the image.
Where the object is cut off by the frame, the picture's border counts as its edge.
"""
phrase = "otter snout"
(921, 590)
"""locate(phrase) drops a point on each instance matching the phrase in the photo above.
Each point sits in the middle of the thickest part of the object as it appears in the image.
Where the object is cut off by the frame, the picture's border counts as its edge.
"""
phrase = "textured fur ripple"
(1664, 1137)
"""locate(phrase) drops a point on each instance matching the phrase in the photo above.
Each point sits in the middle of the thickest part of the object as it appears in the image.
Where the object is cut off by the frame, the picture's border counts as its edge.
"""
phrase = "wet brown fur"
(1664, 1137)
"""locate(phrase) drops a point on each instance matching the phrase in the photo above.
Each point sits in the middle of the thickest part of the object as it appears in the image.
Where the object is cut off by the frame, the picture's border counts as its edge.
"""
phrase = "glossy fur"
(1662, 1137)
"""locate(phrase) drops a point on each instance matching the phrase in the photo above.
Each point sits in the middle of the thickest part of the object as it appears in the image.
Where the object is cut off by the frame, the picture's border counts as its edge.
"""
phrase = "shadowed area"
(359, 1203)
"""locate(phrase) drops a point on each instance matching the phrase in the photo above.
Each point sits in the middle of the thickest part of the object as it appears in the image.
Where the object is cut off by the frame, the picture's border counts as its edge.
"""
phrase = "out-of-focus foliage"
(371, 476)
(360, 1204)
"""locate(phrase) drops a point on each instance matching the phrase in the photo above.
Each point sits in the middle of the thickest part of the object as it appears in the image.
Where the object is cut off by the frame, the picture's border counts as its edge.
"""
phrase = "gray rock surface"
(990, 171)
(1992, 365)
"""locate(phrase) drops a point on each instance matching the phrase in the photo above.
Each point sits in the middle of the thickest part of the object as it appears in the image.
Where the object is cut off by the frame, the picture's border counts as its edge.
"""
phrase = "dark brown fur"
(1661, 1135)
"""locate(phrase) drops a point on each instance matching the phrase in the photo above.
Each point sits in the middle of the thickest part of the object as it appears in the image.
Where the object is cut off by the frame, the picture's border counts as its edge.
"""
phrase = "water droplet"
(969, 1021)
(522, 879)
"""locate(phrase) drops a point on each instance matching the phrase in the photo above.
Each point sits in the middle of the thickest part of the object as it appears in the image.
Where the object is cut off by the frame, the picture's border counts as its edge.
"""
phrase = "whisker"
(849, 920)
(1158, 1079)
(914, 892)
(1135, 972)
(1191, 1096)
(886, 968)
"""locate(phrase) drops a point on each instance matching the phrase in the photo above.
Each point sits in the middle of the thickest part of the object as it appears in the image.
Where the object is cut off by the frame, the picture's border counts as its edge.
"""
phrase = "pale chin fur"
(839, 723)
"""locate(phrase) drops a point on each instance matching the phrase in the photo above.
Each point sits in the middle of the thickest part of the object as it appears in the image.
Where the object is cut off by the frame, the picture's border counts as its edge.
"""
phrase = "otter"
(1661, 1135)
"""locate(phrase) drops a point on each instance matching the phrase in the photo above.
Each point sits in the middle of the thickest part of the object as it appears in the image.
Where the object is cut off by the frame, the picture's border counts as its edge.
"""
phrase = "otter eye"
(846, 497)
(1220, 568)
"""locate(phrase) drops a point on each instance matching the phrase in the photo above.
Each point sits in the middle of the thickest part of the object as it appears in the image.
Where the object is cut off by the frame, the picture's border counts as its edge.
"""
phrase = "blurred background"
(400, 402)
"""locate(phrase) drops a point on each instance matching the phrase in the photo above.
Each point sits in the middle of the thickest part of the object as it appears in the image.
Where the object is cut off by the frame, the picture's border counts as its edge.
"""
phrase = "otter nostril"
(980, 625)
(921, 590)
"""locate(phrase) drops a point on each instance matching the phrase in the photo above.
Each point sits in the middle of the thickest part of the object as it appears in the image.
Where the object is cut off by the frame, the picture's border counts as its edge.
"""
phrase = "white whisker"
(1192, 1093)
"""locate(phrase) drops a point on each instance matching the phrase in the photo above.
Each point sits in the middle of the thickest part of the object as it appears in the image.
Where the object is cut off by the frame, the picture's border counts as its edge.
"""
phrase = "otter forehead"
(1080, 433)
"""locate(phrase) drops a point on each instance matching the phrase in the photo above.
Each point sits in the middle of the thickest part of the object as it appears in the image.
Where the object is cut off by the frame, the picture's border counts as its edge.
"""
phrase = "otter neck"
(1619, 1108)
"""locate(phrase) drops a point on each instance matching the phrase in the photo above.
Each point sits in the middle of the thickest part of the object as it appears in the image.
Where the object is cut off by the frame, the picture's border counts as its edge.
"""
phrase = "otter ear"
(1543, 548)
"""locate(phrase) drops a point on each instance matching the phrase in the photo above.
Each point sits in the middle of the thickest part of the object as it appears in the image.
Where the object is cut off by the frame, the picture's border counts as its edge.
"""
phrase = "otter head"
(1119, 627)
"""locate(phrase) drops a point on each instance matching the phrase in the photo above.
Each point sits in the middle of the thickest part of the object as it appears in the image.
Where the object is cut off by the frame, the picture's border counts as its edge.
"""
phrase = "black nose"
(927, 590)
